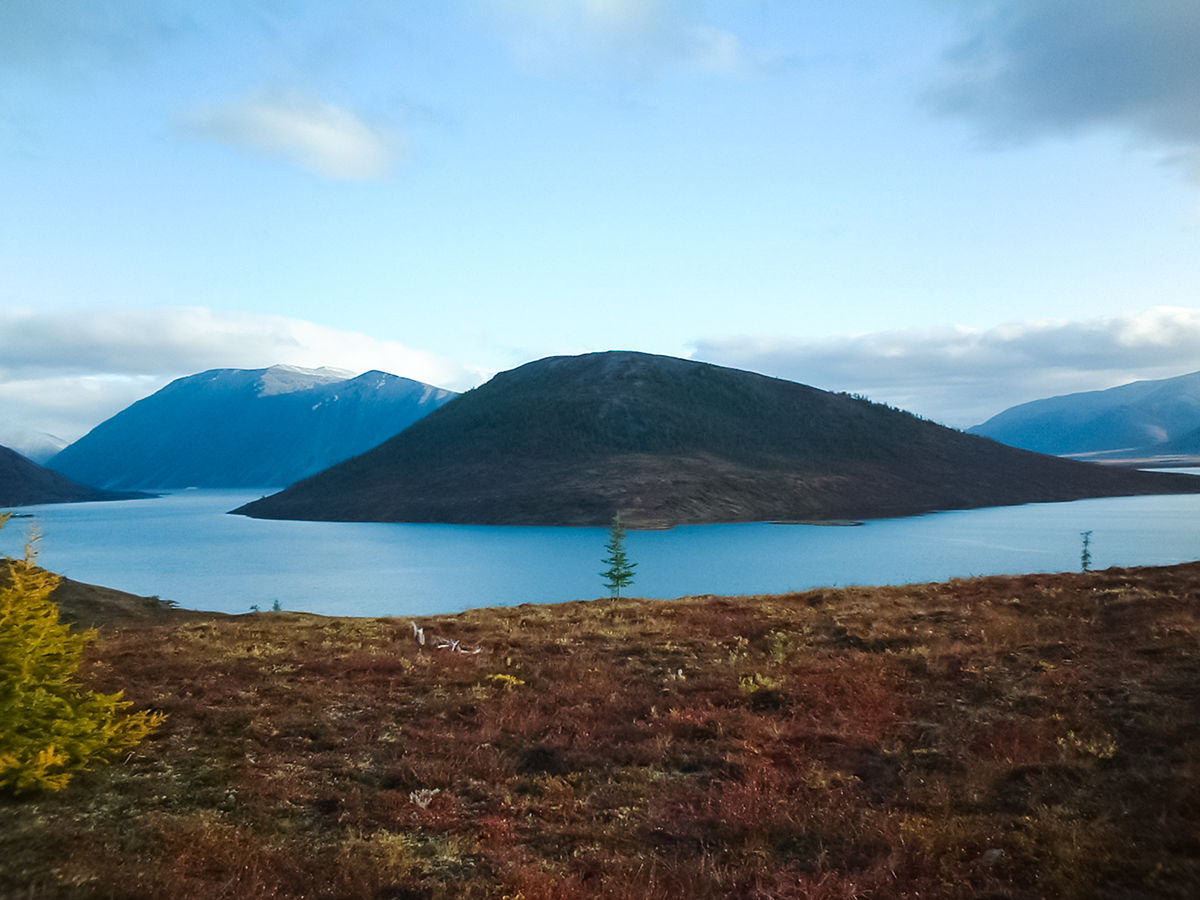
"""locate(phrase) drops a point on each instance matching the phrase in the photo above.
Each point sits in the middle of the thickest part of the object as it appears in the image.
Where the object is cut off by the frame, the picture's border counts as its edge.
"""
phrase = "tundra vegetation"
(1026, 736)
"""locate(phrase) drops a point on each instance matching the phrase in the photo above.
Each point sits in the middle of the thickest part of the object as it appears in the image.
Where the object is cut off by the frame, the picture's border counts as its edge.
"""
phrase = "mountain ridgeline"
(232, 428)
(1136, 420)
(573, 440)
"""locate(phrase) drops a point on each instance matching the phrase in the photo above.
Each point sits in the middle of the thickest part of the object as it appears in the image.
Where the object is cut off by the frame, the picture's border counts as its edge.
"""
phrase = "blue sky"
(948, 206)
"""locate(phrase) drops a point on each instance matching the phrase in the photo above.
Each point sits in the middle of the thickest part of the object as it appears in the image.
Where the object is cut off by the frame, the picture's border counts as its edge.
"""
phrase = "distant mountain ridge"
(34, 445)
(572, 440)
(24, 483)
(1142, 418)
(234, 428)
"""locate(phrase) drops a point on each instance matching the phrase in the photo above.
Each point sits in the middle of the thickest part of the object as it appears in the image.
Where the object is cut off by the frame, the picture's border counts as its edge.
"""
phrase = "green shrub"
(51, 726)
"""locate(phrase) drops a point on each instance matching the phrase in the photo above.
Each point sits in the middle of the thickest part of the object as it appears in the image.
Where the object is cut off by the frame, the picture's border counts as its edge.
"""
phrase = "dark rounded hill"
(572, 440)
(24, 483)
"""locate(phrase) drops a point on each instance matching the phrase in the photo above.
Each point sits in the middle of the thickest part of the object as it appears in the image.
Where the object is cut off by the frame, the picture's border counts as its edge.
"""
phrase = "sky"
(951, 207)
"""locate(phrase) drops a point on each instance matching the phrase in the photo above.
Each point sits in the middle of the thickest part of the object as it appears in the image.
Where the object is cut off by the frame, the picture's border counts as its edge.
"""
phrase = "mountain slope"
(1186, 446)
(1142, 417)
(246, 428)
(571, 440)
(25, 483)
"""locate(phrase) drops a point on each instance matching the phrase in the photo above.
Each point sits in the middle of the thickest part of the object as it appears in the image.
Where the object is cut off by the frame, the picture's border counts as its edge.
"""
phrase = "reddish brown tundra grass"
(1034, 736)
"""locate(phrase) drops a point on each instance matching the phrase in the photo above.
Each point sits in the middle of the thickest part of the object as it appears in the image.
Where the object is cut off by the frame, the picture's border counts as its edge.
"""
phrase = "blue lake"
(183, 547)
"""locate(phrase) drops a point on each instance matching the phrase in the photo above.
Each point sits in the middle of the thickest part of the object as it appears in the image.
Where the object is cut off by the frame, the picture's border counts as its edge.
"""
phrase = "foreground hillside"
(664, 441)
(1019, 737)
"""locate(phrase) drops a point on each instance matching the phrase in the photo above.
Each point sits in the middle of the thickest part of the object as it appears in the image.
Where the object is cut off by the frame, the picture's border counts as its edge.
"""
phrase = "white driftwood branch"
(441, 643)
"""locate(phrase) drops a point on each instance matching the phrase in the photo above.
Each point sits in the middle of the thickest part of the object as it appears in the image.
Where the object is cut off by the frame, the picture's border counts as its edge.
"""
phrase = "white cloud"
(963, 376)
(607, 19)
(716, 50)
(63, 372)
(636, 36)
(318, 137)
(616, 16)
(67, 406)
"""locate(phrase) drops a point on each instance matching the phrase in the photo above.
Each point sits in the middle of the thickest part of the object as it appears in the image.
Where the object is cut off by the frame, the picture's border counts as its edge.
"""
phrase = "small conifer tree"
(619, 573)
(1085, 553)
(51, 726)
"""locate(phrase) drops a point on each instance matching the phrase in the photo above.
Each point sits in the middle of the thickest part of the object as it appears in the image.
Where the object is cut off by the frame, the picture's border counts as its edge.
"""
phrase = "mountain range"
(664, 441)
(234, 428)
(1137, 420)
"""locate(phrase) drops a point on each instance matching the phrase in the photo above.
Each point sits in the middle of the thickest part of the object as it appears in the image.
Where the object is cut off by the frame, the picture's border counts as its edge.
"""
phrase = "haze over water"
(184, 547)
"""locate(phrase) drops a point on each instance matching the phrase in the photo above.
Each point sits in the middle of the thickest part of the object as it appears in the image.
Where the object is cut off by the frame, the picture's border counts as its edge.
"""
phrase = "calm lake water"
(183, 547)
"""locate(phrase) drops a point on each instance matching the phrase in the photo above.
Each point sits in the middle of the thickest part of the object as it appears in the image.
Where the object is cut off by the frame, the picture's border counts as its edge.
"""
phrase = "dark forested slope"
(571, 440)
(25, 483)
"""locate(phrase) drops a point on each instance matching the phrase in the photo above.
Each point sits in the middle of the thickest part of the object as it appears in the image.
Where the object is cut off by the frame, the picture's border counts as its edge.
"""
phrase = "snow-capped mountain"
(246, 428)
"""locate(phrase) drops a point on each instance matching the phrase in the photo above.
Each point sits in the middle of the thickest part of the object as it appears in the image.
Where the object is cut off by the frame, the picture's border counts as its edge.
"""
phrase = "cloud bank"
(961, 377)
(1029, 69)
(318, 137)
(64, 372)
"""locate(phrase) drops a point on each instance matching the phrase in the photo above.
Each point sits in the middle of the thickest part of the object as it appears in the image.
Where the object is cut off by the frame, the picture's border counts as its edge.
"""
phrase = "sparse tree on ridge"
(619, 573)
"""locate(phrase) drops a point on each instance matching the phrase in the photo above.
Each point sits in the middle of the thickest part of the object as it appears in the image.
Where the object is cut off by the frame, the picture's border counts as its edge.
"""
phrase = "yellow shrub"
(51, 726)
(508, 681)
